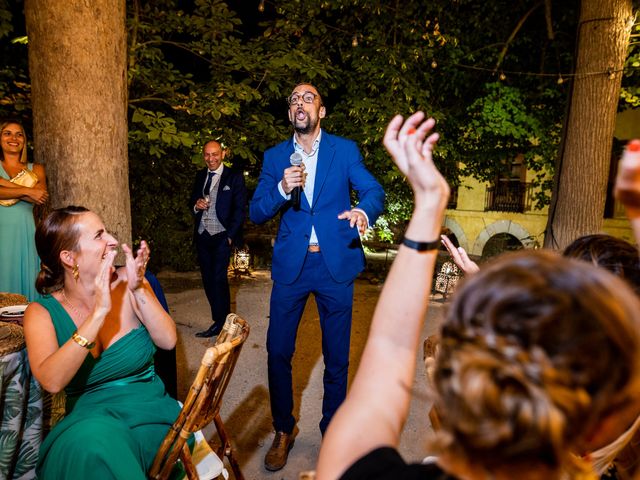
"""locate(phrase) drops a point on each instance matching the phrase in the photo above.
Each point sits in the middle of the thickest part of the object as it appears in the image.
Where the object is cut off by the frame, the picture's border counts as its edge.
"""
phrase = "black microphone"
(296, 160)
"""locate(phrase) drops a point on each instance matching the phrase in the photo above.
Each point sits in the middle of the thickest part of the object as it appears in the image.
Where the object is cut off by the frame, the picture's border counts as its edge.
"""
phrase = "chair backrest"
(204, 398)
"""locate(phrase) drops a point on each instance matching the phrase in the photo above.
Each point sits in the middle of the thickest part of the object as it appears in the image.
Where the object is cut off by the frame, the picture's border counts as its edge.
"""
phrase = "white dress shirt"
(310, 161)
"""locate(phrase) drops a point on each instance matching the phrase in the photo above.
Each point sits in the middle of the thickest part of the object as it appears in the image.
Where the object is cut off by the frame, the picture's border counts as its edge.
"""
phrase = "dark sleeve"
(386, 463)
(164, 360)
(238, 209)
(157, 289)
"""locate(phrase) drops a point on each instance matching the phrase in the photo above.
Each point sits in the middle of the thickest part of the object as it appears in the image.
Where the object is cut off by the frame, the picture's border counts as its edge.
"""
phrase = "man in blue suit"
(218, 203)
(317, 250)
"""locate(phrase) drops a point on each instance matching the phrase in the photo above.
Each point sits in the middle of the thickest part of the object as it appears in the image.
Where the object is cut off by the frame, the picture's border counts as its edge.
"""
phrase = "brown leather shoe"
(276, 457)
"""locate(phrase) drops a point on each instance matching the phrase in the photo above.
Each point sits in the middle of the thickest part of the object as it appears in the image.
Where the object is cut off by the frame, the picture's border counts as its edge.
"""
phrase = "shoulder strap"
(61, 320)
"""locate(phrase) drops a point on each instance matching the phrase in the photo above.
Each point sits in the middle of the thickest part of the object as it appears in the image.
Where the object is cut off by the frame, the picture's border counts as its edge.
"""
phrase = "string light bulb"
(261, 6)
(612, 75)
(434, 64)
(502, 77)
(560, 80)
(354, 41)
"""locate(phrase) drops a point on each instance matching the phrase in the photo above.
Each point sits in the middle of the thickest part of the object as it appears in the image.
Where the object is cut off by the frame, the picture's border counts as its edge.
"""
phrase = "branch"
(514, 33)
(547, 17)
(177, 45)
(262, 79)
(485, 47)
(133, 101)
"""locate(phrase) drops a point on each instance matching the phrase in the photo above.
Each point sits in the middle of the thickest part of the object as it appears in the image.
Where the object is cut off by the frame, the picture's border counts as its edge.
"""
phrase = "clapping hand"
(103, 284)
(412, 153)
(136, 267)
(627, 188)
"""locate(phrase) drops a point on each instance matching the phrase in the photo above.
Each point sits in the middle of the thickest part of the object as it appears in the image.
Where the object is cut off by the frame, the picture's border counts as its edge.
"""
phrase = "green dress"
(117, 411)
(19, 262)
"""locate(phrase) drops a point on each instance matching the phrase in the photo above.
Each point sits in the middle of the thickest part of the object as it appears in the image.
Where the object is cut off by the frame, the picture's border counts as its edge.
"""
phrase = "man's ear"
(323, 112)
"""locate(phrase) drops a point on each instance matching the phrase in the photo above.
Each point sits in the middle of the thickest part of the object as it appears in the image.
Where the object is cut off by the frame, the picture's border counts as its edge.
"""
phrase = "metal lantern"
(447, 279)
(241, 261)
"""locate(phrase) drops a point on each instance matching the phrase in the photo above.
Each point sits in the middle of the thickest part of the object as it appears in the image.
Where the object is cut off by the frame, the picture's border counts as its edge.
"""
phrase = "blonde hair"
(535, 350)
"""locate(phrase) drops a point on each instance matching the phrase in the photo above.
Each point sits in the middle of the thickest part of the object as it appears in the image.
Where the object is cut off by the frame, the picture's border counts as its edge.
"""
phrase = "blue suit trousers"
(335, 303)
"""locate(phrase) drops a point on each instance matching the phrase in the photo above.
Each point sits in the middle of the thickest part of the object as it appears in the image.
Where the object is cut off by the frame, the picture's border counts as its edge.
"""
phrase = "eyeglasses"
(307, 97)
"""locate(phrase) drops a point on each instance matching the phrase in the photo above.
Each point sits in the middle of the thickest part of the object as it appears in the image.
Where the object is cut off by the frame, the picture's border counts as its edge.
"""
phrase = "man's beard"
(303, 128)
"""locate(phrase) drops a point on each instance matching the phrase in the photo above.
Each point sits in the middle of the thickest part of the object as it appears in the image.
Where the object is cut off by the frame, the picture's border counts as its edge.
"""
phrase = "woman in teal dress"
(93, 335)
(19, 262)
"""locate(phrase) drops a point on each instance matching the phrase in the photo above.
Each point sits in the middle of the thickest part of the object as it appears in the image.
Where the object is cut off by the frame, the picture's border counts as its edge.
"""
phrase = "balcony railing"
(508, 196)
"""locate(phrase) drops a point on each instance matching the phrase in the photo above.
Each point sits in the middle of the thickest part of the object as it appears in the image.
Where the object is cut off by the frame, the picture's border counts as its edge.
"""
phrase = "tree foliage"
(448, 59)
(489, 72)
(630, 94)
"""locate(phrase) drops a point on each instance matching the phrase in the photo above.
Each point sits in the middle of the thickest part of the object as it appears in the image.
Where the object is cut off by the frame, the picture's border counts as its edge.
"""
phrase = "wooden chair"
(429, 353)
(202, 405)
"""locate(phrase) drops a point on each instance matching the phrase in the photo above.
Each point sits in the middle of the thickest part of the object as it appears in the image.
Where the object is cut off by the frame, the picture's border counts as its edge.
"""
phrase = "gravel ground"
(245, 409)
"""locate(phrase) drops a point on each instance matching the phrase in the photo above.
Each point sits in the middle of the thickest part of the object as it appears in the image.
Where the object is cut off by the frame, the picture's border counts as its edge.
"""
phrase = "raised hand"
(459, 256)
(627, 188)
(412, 153)
(135, 267)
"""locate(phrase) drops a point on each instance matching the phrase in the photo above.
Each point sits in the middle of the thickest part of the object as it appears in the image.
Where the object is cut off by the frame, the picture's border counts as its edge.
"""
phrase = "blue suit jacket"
(339, 170)
(230, 203)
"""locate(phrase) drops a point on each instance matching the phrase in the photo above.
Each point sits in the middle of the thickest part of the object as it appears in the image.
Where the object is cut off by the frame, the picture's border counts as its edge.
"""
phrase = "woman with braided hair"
(538, 356)
(93, 335)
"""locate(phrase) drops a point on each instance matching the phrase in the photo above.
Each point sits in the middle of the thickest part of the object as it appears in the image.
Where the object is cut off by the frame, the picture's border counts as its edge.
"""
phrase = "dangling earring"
(76, 272)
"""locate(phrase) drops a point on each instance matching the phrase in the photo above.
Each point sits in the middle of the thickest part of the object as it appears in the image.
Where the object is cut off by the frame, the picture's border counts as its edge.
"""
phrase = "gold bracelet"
(83, 342)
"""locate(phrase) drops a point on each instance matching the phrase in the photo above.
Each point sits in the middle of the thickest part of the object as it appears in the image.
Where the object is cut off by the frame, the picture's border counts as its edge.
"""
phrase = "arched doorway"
(499, 243)
(452, 236)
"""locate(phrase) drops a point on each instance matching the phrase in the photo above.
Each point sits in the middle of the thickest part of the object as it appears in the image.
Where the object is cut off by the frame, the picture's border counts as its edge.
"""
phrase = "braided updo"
(535, 349)
(56, 233)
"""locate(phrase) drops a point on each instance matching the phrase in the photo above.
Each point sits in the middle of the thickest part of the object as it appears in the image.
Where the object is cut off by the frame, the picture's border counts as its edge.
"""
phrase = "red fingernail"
(634, 145)
(411, 131)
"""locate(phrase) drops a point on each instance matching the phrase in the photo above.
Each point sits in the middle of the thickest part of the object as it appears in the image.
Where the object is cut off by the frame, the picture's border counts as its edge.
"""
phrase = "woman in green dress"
(94, 334)
(19, 263)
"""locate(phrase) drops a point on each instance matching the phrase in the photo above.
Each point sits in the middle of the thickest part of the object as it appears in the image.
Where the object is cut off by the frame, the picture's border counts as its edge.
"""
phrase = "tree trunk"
(579, 195)
(77, 63)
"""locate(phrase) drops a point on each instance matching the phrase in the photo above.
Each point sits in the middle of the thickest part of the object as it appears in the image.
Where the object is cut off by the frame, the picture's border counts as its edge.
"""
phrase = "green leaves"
(630, 93)
(196, 73)
(157, 131)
